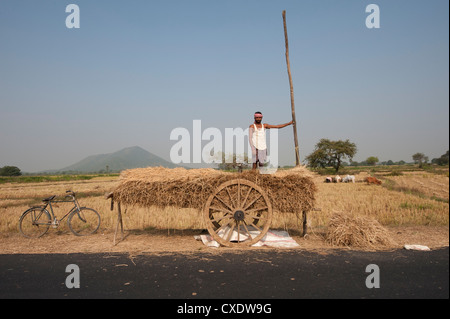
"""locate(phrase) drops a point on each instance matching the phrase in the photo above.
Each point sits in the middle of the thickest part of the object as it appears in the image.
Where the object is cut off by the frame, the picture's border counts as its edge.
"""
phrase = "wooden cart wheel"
(239, 212)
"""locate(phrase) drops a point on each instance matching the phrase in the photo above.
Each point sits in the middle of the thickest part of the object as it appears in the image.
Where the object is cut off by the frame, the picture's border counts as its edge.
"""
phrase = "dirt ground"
(164, 241)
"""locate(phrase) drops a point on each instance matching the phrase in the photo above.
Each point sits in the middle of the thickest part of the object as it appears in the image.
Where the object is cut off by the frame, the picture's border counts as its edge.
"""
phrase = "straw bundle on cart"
(290, 191)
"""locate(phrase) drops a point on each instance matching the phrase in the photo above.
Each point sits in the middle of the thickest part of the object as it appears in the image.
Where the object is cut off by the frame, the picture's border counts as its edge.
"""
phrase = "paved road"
(256, 274)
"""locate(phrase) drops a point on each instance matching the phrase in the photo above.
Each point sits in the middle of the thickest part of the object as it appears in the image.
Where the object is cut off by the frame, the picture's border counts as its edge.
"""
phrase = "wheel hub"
(239, 215)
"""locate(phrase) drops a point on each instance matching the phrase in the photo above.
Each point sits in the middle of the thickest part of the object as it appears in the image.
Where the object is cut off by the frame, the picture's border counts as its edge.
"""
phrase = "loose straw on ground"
(357, 231)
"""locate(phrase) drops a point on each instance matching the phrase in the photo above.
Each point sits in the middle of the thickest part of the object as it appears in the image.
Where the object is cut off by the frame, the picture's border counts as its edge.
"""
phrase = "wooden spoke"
(257, 217)
(230, 232)
(239, 192)
(221, 227)
(252, 202)
(246, 229)
(253, 224)
(221, 200)
(229, 195)
(219, 219)
(246, 196)
(226, 211)
(248, 211)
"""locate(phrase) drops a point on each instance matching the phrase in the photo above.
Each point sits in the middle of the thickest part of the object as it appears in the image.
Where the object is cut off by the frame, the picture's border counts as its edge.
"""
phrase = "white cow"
(349, 178)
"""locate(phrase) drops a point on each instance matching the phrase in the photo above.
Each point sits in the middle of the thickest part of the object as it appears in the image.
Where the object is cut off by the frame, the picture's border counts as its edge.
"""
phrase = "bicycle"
(36, 221)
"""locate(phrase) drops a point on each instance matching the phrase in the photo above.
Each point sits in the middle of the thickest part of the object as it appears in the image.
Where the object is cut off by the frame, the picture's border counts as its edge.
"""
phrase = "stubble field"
(413, 207)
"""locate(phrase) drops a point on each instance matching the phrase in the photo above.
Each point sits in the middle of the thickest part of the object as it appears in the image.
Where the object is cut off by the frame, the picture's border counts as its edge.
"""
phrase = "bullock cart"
(237, 208)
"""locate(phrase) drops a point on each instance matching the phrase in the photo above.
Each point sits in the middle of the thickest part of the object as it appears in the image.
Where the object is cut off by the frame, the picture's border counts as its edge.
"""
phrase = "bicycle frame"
(73, 200)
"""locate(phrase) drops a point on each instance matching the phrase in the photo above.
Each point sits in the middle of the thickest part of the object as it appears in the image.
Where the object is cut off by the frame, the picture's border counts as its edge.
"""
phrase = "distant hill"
(130, 157)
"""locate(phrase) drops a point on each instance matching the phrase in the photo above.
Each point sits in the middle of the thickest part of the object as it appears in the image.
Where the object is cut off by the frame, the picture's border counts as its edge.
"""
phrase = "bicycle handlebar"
(70, 193)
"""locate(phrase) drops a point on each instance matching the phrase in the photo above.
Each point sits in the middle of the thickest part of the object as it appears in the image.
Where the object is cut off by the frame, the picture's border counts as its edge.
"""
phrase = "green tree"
(331, 153)
(10, 171)
(420, 158)
(443, 160)
(353, 163)
(372, 160)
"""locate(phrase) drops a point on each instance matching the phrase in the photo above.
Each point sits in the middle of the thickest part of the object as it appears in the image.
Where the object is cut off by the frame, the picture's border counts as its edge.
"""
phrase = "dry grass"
(428, 184)
(389, 208)
(37, 191)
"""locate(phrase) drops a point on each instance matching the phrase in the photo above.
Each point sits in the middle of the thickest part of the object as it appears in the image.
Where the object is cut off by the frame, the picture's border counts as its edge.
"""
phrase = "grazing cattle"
(349, 178)
(373, 180)
(337, 179)
(328, 180)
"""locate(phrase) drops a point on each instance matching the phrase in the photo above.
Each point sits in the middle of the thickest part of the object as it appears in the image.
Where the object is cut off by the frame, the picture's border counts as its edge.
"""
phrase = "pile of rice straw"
(357, 231)
(289, 191)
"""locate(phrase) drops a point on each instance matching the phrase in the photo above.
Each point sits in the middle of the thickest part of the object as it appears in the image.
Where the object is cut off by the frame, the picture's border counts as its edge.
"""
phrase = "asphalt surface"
(252, 274)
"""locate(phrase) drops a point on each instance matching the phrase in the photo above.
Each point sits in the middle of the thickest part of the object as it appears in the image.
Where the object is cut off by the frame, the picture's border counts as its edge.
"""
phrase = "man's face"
(258, 119)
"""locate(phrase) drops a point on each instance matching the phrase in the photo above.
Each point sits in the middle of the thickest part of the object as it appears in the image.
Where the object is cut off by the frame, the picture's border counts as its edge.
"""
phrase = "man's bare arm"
(250, 138)
(268, 126)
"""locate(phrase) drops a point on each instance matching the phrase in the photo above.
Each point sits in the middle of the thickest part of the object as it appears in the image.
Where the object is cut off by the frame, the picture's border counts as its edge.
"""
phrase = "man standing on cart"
(257, 139)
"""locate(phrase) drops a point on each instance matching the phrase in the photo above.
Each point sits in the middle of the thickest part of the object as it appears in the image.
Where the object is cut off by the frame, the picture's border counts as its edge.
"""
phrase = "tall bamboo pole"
(297, 156)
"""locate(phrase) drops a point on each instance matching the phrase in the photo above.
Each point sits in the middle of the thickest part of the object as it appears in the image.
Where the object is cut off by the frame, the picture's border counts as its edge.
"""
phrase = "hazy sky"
(135, 70)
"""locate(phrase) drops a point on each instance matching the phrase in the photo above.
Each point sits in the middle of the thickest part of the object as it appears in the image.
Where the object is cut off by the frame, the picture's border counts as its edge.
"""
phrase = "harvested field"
(409, 218)
(388, 206)
(429, 185)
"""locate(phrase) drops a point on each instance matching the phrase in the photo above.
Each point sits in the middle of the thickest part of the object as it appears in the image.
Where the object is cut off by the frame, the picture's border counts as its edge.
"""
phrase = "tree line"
(10, 171)
(328, 153)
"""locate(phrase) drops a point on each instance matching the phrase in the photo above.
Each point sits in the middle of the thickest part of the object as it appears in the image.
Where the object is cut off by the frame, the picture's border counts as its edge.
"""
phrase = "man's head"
(258, 117)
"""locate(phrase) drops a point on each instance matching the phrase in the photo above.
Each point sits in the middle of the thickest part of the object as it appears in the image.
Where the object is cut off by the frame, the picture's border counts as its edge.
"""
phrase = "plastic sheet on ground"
(417, 247)
(273, 238)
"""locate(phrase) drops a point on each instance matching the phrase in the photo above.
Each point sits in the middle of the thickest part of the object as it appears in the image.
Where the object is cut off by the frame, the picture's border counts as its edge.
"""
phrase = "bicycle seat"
(48, 198)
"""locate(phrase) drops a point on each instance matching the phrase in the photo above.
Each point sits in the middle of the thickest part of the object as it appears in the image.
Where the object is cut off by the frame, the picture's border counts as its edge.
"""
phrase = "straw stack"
(290, 191)
(357, 231)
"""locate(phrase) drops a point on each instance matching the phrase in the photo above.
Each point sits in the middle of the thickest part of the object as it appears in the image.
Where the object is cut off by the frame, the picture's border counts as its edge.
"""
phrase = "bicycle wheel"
(35, 222)
(85, 221)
